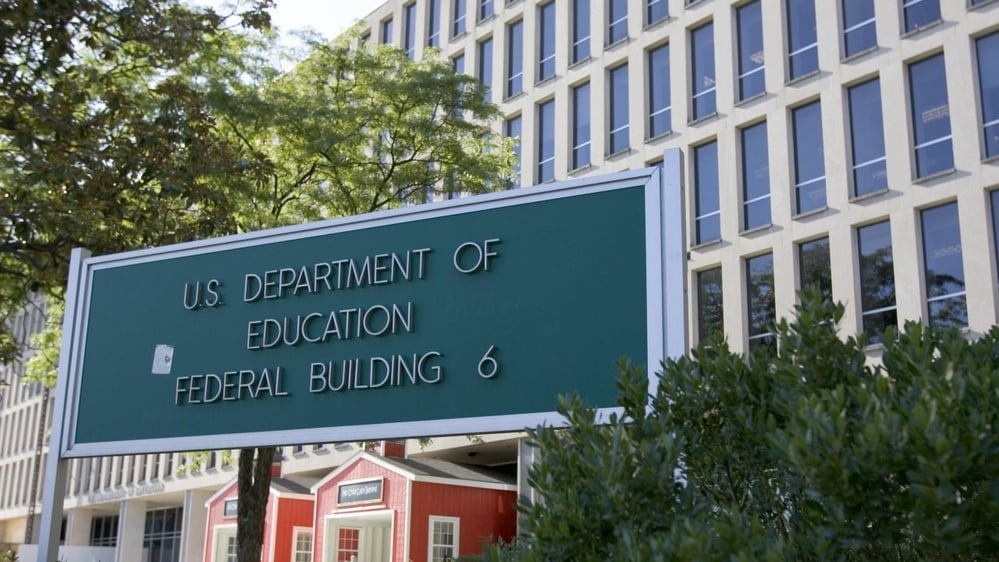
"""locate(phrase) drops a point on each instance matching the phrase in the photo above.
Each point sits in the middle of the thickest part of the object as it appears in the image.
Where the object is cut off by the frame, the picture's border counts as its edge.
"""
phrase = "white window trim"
(430, 537)
(295, 532)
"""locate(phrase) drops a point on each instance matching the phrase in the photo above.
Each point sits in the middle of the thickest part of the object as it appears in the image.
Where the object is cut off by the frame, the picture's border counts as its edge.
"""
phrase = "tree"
(809, 453)
(104, 142)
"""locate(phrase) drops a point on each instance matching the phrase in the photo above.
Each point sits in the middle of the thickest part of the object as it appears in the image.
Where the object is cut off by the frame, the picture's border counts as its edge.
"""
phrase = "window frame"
(544, 158)
(930, 238)
(700, 185)
(580, 38)
(617, 90)
(801, 41)
(916, 111)
(990, 151)
(746, 198)
(861, 126)
(757, 334)
(744, 75)
(799, 146)
(700, 278)
(846, 28)
(459, 18)
(654, 87)
(883, 309)
(615, 26)
(827, 291)
(546, 59)
(296, 533)
(696, 67)
(579, 144)
(514, 59)
(455, 533)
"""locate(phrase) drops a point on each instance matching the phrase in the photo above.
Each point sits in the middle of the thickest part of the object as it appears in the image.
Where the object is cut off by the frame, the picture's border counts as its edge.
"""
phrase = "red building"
(387, 509)
(287, 524)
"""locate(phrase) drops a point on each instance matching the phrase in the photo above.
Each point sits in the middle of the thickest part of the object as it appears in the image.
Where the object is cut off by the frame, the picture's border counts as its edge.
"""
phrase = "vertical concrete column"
(78, 526)
(131, 529)
(195, 525)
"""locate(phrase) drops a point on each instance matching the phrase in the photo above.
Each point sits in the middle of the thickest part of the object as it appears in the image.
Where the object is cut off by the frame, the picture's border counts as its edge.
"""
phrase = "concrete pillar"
(78, 526)
(194, 526)
(131, 530)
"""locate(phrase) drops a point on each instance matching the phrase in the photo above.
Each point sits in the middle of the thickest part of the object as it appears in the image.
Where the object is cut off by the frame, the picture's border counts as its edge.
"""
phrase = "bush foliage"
(812, 452)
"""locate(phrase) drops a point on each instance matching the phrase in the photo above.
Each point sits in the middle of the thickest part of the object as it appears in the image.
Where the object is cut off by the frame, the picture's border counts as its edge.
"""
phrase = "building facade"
(845, 145)
(848, 146)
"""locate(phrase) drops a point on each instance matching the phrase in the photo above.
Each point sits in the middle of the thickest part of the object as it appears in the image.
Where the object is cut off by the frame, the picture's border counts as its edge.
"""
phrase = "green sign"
(466, 316)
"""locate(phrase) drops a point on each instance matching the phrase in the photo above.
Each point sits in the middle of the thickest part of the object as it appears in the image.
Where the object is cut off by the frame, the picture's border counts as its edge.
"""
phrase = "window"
(515, 58)
(104, 530)
(581, 126)
(655, 11)
(809, 160)
(943, 266)
(877, 280)
(755, 177)
(443, 539)
(859, 29)
(920, 13)
(580, 30)
(930, 117)
(458, 63)
(546, 41)
(409, 37)
(387, 32)
(617, 21)
(707, 216)
(867, 138)
(802, 45)
(546, 141)
(459, 17)
(618, 109)
(348, 544)
(988, 83)
(710, 312)
(485, 9)
(486, 66)
(702, 78)
(433, 23)
(760, 300)
(162, 535)
(660, 109)
(231, 548)
(513, 130)
(301, 547)
(749, 22)
(815, 271)
(994, 200)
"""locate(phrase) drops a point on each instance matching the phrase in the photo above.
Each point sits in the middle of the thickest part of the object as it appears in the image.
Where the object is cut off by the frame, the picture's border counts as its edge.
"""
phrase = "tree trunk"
(254, 482)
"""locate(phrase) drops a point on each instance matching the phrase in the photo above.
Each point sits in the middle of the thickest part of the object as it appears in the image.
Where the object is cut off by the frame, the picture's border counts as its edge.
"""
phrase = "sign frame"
(657, 233)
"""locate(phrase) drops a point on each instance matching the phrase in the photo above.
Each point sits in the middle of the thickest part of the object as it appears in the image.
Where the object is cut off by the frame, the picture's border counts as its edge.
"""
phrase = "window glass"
(459, 15)
(515, 58)
(946, 300)
(755, 176)
(703, 71)
(433, 23)
(710, 312)
(988, 83)
(618, 109)
(546, 46)
(867, 138)
(443, 539)
(814, 267)
(760, 300)
(660, 120)
(655, 11)
(387, 32)
(877, 280)
(409, 40)
(802, 45)
(809, 158)
(513, 130)
(859, 30)
(302, 546)
(458, 63)
(580, 30)
(486, 66)
(707, 214)
(749, 22)
(617, 20)
(930, 116)
(546, 141)
(581, 126)
(485, 9)
(920, 13)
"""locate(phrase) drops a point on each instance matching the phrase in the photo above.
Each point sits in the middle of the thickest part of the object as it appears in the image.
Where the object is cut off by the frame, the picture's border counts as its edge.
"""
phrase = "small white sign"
(162, 359)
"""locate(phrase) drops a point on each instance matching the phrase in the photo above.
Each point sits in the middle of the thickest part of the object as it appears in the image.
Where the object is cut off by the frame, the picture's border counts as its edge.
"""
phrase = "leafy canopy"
(812, 453)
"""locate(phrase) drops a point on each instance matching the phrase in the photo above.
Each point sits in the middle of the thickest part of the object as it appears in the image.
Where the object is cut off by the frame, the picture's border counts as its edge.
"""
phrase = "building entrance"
(359, 538)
